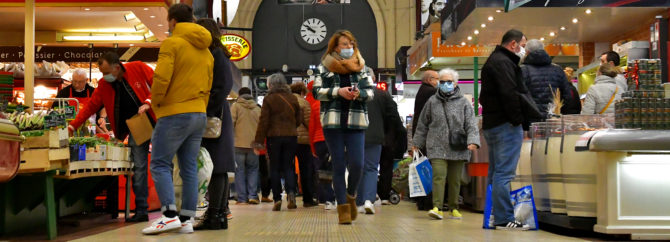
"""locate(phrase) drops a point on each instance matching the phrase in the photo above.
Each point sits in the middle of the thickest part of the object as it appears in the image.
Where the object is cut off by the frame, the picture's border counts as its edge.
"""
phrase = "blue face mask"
(109, 78)
(347, 53)
(446, 87)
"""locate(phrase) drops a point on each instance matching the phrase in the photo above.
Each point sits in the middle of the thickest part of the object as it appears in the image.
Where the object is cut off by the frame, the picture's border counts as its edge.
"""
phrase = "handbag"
(458, 139)
(213, 127)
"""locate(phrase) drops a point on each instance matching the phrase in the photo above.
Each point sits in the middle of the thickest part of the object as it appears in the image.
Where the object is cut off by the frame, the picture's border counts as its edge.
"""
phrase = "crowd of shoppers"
(335, 124)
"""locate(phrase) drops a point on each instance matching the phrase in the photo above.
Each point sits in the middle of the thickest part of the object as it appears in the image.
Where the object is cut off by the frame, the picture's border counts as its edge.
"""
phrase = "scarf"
(335, 63)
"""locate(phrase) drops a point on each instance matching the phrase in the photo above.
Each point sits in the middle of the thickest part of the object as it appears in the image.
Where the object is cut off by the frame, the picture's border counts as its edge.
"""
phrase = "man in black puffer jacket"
(542, 77)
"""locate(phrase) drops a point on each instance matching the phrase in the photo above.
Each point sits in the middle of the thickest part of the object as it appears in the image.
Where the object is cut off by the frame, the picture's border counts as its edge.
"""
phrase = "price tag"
(70, 112)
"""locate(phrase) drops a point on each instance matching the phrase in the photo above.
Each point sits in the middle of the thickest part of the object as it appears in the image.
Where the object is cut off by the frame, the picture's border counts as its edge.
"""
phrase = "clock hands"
(311, 29)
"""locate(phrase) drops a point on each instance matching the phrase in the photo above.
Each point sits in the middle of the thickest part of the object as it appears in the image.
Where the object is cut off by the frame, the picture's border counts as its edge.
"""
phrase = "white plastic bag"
(205, 167)
(420, 177)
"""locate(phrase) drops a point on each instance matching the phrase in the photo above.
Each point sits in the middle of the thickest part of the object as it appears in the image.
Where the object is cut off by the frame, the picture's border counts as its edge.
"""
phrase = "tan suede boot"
(344, 213)
(352, 205)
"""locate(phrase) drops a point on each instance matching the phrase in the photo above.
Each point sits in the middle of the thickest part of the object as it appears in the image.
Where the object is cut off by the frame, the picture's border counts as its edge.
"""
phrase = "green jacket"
(325, 89)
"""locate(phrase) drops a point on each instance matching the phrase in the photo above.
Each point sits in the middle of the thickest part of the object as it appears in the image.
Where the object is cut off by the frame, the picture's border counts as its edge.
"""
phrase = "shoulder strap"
(611, 100)
(289, 104)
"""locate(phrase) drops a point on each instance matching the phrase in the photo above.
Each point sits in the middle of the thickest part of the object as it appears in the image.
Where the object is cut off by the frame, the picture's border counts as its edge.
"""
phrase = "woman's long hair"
(213, 28)
(335, 40)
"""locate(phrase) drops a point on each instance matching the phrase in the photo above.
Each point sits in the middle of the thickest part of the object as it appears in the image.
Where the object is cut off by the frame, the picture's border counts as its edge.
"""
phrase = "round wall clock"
(312, 33)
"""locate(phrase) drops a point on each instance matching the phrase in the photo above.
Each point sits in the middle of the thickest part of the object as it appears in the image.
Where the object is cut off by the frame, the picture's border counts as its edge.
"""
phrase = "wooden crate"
(96, 153)
(37, 160)
(90, 168)
(51, 139)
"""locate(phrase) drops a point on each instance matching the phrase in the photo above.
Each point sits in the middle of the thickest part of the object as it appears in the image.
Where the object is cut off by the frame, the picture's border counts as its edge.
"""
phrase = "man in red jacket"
(124, 91)
(325, 190)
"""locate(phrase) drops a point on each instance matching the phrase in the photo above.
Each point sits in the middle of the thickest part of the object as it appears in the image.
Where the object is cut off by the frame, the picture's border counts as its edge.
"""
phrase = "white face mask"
(522, 52)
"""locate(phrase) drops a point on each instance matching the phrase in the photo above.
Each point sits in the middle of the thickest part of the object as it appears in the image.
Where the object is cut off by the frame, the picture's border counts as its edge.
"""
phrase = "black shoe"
(309, 203)
(211, 220)
(291, 201)
(138, 218)
(223, 220)
(515, 225)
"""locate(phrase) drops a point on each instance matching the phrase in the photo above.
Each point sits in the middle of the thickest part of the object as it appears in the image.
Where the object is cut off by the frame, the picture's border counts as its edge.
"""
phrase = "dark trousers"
(264, 168)
(306, 165)
(282, 164)
(325, 191)
(385, 173)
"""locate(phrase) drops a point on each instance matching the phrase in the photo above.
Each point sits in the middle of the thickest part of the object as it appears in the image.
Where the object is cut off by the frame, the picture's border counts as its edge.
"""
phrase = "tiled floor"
(391, 223)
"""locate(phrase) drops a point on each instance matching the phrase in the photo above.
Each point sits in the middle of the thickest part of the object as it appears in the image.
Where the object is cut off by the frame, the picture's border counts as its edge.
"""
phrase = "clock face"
(313, 31)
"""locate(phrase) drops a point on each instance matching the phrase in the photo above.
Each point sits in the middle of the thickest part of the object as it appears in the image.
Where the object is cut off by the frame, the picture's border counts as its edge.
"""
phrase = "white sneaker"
(186, 227)
(330, 206)
(361, 209)
(164, 224)
(386, 202)
(369, 207)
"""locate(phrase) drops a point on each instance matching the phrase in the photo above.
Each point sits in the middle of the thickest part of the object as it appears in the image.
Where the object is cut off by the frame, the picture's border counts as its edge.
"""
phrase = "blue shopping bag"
(524, 207)
(420, 176)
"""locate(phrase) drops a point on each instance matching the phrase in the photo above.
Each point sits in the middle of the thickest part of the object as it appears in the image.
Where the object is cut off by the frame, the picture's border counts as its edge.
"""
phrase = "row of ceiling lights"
(148, 35)
(552, 33)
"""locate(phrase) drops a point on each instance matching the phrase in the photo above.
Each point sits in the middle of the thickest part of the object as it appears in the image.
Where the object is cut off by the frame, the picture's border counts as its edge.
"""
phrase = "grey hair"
(449, 71)
(80, 71)
(277, 83)
(533, 45)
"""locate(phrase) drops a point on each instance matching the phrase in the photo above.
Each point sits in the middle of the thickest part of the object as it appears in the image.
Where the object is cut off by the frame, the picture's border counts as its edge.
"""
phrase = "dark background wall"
(276, 26)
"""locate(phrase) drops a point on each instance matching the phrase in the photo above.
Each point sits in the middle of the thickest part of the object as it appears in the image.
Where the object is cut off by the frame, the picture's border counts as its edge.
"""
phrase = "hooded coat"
(433, 130)
(542, 77)
(600, 93)
(184, 72)
(246, 115)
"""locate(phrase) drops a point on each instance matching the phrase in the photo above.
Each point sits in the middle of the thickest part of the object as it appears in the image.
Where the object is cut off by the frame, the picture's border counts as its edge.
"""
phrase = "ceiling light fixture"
(148, 35)
(490, 18)
(140, 27)
(160, 25)
(588, 11)
(146, 9)
(476, 31)
(463, 43)
(552, 34)
(575, 20)
(103, 37)
(483, 25)
(498, 11)
(130, 16)
(166, 32)
(562, 27)
(44, 44)
(542, 39)
(152, 16)
(87, 9)
(469, 37)
(132, 45)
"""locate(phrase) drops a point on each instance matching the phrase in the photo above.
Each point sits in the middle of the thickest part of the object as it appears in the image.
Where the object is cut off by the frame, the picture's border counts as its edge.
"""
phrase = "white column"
(29, 61)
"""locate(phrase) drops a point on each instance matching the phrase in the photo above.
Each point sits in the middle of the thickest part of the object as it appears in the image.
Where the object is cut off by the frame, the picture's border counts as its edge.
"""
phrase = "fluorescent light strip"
(103, 38)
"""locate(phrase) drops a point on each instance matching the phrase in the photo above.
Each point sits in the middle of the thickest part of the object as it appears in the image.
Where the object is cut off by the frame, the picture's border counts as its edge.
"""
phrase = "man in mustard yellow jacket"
(180, 92)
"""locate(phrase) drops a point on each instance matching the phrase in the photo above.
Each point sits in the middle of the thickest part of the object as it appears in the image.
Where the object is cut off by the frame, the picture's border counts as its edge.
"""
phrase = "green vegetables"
(93, 142)
(28, 121)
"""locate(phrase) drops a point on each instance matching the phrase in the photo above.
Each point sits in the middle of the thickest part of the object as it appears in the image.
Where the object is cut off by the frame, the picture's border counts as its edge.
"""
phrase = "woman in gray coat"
(604, 93)
(447, 107)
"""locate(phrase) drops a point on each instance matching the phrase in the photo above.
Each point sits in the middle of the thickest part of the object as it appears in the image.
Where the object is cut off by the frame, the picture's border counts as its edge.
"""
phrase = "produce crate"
(96, 153)
(51, 139)
(40, 160)
(118, 153)
(90, 168)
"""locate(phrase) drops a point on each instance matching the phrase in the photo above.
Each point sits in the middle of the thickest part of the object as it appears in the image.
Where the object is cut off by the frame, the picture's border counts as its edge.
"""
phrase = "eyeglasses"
(443, 81)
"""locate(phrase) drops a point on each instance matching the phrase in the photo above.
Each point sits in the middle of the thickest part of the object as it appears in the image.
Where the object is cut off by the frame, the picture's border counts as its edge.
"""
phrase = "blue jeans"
(504, 143)
(281, 151)
(246, 174)
(353, 141)
(140, 156)
(367, 191)
(179, 134)
(325, 190)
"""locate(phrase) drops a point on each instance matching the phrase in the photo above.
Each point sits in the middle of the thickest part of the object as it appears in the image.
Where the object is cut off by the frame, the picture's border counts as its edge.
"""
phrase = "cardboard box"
(43, 159)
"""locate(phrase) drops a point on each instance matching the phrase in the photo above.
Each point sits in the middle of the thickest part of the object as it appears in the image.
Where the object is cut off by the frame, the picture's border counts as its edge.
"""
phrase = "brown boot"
(344, 213)
(352, 206)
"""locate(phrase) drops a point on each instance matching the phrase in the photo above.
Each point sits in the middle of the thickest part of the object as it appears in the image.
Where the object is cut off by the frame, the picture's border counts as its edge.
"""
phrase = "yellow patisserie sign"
(238, 46)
